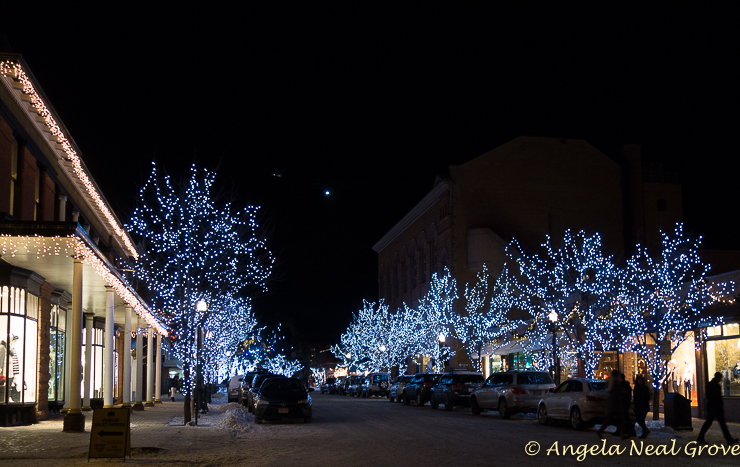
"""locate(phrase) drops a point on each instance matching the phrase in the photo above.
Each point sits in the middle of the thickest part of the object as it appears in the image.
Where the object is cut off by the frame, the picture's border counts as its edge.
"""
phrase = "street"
(358, 432)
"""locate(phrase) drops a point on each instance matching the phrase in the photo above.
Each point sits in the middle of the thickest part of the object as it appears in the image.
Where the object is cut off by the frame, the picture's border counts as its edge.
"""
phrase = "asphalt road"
(351, 431)
(357, 432)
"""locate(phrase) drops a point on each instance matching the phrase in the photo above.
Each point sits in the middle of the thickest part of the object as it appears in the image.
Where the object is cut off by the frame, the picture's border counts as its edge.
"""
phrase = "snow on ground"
(230, 416)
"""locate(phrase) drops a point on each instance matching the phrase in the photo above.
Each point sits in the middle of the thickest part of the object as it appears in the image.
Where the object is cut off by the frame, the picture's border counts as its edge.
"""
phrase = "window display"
(18, 346)
(57, 345)
(723, 355)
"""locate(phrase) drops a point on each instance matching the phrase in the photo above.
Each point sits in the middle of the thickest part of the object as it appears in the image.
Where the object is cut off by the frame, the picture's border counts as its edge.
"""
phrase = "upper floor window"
(15, 150)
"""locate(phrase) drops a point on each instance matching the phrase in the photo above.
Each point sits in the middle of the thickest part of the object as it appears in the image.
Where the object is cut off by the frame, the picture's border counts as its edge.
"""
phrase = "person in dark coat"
(614, 410)
(628, 428)
(641, 399)
(715, 410)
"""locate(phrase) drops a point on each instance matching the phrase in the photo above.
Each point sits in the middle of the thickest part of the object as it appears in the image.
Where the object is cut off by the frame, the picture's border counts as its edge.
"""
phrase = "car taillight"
(594, 399)
(519, 391)
(428, 384)
(457, 386)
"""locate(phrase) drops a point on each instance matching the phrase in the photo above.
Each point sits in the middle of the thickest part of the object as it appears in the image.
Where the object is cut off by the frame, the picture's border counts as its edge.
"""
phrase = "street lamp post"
(442, 339)
(553, 317)
(202, 307)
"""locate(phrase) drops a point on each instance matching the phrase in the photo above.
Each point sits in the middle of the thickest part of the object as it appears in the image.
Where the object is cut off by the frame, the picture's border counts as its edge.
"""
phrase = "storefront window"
(57, 345)
(96, 364)
(18, 345)
(723, 355)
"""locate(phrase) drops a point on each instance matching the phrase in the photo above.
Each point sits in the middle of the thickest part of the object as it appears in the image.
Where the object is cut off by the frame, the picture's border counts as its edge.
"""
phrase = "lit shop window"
(19, 313)
(723, 355)
(57, 346)
(96, 364)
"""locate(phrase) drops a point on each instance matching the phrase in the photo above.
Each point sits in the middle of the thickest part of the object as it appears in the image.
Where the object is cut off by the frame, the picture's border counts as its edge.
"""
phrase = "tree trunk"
(656, 403)
(187, 413)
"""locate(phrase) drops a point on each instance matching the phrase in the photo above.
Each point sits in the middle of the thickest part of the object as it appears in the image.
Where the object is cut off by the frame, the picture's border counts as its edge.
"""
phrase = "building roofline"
(68, 153)
(416, 212)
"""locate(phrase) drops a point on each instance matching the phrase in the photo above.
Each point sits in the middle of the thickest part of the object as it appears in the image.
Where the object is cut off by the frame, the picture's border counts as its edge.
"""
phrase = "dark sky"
(371, 101)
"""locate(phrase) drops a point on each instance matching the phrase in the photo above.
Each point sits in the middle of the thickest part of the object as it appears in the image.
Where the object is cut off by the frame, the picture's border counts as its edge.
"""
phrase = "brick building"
(525, 189)
(61, 246)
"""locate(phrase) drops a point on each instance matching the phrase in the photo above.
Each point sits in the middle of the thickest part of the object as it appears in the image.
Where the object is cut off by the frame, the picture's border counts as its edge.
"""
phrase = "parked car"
(581, 401)
(233, 389)
(280, 398)
(395, 392)
(340, 385)
(454, 389)
(247, 383)
(326, 386)
(355, 385)
(511, 392)
(254, 389)
(375, 384)
(419, 389)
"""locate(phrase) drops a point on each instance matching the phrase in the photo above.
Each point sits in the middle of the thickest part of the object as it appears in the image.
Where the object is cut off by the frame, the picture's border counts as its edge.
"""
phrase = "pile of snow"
(219, 398)
(235, 418)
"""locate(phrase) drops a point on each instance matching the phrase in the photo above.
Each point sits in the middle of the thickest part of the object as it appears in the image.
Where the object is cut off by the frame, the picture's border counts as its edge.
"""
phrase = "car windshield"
(534, 378)
(282, 385)
(377, 378)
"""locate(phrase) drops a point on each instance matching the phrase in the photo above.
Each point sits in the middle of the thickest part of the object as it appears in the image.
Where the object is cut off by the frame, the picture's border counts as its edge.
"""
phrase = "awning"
(49, 249)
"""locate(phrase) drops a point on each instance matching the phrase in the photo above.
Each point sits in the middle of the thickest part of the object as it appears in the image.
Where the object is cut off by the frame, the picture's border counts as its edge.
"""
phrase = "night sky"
(371, 102)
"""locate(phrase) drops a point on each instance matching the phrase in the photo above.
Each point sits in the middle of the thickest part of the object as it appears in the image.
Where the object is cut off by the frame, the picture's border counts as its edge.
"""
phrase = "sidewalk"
(157, 429)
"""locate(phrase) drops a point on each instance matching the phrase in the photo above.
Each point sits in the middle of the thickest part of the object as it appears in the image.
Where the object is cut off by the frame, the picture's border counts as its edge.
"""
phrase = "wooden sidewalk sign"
(110, 435)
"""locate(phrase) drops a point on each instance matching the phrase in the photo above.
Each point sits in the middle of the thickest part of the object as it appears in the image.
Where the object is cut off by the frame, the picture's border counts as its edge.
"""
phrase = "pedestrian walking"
(628, 429)
(715, 411)
(614, 412)
(641, 397)
(172, 387)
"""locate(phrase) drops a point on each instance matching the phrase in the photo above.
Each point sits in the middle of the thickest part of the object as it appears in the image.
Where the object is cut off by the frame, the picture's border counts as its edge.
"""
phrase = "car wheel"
(307, 419)
(448, 402)
(542, 415)
(503, 409)
(576, 421)
(249, 407)
(434, 403)
(405, 399)
(419, 401)
(474, 406)
(258, 420)
(391, 398)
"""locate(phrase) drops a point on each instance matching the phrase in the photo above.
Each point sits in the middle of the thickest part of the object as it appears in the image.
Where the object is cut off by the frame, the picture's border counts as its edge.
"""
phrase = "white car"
(580, 401)
(234, 384)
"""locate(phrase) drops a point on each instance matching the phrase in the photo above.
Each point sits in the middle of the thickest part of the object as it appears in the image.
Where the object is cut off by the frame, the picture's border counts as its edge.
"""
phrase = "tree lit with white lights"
(195, 250)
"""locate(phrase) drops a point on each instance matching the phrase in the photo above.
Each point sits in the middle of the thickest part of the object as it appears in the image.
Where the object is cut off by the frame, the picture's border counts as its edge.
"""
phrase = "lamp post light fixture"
(441, 339)
(553, 317)
(202, 307)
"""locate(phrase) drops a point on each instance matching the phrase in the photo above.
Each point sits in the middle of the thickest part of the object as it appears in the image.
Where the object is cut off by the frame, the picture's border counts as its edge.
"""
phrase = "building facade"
(526, 189)
(67, 313)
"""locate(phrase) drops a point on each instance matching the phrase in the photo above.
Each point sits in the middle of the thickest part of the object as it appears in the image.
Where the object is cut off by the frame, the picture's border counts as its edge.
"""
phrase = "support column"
(125, 359)
(108, 368)
(486, 366)
(74, 420)
(158, 366)
(88, 362)
(149, 367)
(139, 405)
(62, 208)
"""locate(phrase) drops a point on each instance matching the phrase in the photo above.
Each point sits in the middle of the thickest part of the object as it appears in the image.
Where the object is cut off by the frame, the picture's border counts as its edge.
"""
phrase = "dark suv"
(454, 389)
(419, 389)
(327, 385)
(254, 389)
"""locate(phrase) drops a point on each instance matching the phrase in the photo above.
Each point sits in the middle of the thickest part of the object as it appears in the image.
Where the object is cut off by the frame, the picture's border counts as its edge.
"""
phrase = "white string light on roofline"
(8, 67)
(14, 244)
